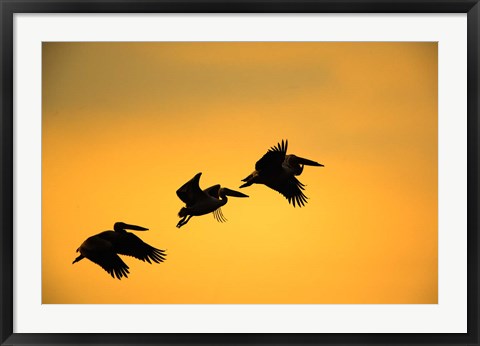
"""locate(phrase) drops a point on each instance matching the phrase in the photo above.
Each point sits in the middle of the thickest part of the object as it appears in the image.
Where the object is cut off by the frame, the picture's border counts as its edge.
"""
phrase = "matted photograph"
(239, 173)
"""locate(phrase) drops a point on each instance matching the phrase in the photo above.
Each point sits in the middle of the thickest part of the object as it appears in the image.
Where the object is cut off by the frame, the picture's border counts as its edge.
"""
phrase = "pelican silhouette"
(200, 202)
(277, 170)
(104, 248)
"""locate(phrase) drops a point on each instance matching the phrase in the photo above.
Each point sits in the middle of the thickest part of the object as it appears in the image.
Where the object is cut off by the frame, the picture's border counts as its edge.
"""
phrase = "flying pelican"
(104, 248)
(277, 170)
(200, 202)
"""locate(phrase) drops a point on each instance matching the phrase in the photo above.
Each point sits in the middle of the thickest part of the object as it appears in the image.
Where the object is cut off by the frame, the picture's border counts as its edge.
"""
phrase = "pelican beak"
(77, 259)
(234, 193)
(307, 162)
(135, 228)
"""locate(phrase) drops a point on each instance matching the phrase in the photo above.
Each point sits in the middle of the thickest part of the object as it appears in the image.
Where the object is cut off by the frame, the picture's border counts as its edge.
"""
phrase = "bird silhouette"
(104, 248)
(277, 170)
(200, 202)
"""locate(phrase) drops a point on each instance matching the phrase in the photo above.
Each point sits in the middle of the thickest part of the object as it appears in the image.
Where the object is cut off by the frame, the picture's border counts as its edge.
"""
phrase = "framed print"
(239, 173)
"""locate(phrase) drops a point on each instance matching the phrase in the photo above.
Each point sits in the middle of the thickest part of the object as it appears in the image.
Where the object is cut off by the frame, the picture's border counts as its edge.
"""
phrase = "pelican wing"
(131, 245)
(282, 147)
(190, 191)
(274, 157)
(212, 190)
(101, 252)
(112, 264)
(292, 189)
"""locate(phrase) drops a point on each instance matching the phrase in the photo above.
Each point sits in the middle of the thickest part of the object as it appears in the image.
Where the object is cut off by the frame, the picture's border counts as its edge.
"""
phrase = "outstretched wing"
(282, 147)
(131, 245)
(292, 189)
(101, 252)
(274, 157)
(112, 263)
(190, 191)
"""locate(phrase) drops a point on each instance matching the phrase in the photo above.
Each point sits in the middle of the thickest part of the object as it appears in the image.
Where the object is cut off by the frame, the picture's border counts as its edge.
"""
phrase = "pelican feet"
(183, 221)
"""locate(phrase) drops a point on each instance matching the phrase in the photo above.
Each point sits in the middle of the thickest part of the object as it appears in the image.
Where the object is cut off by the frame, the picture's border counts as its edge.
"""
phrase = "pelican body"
(104, 248)
(277, 170)
(200, 202)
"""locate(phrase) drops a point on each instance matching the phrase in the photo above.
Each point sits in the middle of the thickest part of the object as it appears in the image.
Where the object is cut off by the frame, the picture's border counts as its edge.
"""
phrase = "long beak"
(135, 228)
(233, 193)
(77, 259)
(307, 162)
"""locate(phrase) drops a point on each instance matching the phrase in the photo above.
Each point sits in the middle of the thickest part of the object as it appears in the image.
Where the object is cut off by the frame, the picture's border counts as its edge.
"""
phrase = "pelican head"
(227, 192)
(121, 226)
(302, 161)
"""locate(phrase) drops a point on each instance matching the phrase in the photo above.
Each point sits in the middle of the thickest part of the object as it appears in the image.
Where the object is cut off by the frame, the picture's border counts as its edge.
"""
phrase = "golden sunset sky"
(124, 125)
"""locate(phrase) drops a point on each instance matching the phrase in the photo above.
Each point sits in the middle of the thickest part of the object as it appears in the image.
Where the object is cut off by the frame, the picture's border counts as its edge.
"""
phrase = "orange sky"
(126, 124)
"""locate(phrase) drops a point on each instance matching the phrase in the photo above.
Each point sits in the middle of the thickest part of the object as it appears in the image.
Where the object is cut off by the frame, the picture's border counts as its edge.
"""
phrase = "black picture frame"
(10, 7)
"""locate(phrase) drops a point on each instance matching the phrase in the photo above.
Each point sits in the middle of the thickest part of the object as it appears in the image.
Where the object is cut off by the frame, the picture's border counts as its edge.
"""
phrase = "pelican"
(104, 248)
(277, 170)
(200, 202)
